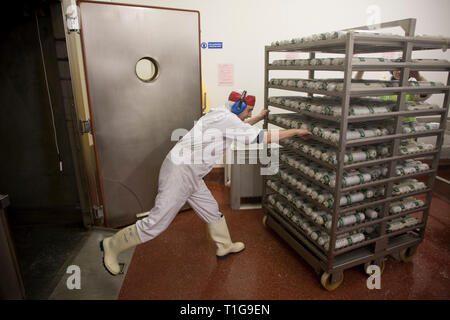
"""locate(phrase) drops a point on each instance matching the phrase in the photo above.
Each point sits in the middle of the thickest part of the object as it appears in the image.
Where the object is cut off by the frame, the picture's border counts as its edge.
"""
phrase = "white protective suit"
(181, 174)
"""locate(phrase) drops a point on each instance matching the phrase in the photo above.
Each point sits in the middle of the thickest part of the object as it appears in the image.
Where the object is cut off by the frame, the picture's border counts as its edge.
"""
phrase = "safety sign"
(212, 45)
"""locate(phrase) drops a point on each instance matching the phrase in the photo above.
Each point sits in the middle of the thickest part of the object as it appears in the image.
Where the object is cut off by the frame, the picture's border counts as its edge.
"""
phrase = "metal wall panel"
(133, 120)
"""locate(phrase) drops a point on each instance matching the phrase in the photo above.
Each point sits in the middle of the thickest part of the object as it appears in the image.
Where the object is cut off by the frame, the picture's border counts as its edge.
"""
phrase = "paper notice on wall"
(226, 74)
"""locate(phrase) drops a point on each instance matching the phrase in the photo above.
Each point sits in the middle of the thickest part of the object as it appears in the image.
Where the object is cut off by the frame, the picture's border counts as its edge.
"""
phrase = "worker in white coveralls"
(181, 177)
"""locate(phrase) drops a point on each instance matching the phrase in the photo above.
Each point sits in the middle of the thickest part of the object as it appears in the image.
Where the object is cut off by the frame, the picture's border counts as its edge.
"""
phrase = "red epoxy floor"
(181, 264)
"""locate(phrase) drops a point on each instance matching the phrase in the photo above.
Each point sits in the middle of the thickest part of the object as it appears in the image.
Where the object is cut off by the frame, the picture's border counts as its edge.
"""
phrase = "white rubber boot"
(124, 239)
(221, 236)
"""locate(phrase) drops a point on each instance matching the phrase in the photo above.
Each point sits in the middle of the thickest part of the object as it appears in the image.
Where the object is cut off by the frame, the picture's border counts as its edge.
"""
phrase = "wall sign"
(215, 45)
(212, 45)
(226, 74)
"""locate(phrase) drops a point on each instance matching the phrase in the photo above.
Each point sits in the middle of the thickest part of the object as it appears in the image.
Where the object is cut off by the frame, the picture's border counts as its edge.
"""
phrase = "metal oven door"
(143, 79)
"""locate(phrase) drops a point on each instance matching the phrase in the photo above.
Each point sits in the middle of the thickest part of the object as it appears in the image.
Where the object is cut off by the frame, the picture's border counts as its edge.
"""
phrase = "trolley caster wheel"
(325, 280)
(405, 257)
(367, 264)
(264, 221)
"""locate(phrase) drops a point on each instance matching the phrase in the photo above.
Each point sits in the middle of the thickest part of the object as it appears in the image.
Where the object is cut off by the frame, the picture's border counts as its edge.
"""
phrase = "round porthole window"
(147, 69)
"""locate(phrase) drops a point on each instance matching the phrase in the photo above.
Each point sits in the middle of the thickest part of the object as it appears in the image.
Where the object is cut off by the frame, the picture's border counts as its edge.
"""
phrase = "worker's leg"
(173, 191)
(207, 208)
(172, 194)
(204, 204)
(124, 239)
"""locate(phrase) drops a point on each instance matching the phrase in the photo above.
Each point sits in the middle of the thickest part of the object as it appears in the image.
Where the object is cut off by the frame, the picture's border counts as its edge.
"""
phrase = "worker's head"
(241, 104)
(395, 75)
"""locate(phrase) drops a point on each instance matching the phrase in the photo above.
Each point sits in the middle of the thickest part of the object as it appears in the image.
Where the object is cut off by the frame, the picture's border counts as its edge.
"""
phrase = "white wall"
(246, 26)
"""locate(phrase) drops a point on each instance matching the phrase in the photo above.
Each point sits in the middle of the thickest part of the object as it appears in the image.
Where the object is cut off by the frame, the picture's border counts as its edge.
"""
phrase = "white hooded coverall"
(181, 174)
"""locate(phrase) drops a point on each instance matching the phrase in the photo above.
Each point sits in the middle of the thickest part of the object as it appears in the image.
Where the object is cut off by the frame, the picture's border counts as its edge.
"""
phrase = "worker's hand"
(303, 133)
(263, 113)
(416, 75)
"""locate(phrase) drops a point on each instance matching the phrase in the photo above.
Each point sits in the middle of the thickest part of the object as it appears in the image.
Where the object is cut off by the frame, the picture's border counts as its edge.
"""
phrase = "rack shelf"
(355, 226)
(389, 159)
(362, 92)
(379, 220)
(304, 215)
(359, 186)
(369, 67)
(371, 140)
(381, 200)
(367, 203)
(367, 44)
(360, 164)
(364, 118)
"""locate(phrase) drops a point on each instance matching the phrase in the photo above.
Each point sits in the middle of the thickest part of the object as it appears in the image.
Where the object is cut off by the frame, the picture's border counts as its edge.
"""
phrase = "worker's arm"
(257, 118)
(419, 77)
(271, 136)
(359, 75)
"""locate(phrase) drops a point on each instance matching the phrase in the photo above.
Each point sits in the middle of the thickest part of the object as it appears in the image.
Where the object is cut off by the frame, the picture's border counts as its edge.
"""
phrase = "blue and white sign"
(204, 45)
(215, 45)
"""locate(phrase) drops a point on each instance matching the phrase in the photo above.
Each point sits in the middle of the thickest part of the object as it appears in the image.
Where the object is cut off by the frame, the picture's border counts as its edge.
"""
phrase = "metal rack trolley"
(404, 242)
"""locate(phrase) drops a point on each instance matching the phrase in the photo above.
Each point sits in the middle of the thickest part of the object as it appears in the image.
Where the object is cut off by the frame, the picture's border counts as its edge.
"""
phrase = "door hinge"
(72, 21)
(85, 126)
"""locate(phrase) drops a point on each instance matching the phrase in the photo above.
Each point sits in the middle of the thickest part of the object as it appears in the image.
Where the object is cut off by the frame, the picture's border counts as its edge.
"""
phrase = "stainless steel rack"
(332, 262)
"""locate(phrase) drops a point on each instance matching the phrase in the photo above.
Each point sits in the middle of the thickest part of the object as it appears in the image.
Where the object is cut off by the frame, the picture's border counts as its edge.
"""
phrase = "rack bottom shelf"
(343, 261)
